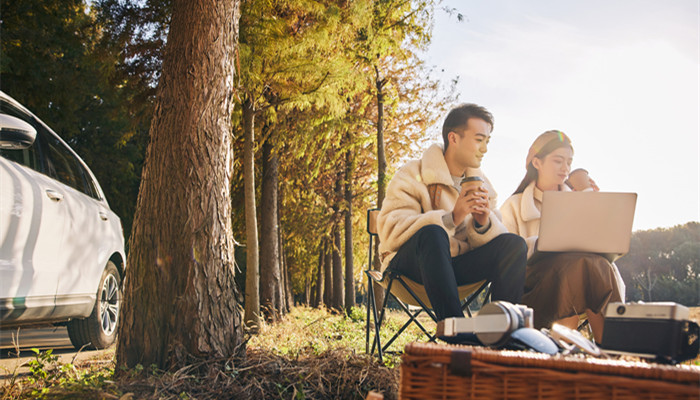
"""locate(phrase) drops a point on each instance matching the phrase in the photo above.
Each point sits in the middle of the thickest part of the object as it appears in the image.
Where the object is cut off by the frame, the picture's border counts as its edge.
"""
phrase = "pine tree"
(290, 60)
(180, 296)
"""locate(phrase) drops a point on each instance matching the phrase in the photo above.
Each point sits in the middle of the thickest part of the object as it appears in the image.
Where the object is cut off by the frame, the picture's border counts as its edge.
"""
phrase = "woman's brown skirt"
(566, 284)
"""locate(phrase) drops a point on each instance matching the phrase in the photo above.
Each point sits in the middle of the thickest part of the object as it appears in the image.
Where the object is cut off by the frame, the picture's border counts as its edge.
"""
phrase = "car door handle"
(54, 195)
(103, 216)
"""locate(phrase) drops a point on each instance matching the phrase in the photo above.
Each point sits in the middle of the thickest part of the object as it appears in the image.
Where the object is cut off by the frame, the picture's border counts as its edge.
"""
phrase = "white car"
(62, 253)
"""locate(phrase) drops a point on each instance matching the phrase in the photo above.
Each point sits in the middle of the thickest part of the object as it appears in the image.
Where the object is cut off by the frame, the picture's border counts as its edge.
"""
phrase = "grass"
(310, 354)
(311, 331)
(695, 314)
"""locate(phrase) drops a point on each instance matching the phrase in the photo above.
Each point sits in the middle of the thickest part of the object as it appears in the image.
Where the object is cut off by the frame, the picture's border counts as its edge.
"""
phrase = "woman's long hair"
(541, 147)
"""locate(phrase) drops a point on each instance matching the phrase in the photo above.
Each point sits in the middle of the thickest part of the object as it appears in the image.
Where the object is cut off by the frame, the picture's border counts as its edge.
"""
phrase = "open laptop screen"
(593, 222)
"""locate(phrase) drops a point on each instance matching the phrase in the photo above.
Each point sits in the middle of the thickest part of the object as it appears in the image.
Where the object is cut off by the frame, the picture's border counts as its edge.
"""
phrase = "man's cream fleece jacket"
(408, 207)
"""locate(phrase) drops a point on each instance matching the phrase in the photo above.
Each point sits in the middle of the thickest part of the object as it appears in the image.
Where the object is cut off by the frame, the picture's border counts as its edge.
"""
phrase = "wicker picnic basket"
(436, 371)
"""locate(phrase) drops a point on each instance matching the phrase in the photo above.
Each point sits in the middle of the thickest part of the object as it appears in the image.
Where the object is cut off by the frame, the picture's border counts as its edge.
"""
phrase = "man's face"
(471, 144)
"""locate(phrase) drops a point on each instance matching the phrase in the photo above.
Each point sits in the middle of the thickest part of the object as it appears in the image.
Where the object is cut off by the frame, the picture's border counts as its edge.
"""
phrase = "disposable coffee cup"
(472, 182)
(579, 180)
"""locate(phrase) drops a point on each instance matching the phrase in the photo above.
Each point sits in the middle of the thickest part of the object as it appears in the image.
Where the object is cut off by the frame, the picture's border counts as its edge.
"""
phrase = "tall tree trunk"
(312, 293)
(328, 272)
(283, 290)
(381, 171)
(381, 157)
(650, 285)
(270, 273)
(338, 289)
(252, 277)
(289, 297)
(349, 265)
(180, 294)
(318, 292)
(338, 286)
(285, 287)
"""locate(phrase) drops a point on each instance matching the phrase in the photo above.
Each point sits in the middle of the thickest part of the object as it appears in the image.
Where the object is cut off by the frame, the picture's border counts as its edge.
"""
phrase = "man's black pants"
(425, 258)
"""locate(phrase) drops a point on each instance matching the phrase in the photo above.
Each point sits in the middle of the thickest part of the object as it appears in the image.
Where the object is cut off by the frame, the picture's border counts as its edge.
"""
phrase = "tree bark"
(338, 286)
(318, 292)
(180, 295)
(327, 272)
(270, 272)
(381, 157)
(252, 277)
(349, 265)
(286, 287)
(338, 289)
(381, 172)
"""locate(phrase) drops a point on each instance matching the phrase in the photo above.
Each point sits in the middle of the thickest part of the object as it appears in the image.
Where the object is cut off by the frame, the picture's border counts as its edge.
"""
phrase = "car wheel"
(99, 330)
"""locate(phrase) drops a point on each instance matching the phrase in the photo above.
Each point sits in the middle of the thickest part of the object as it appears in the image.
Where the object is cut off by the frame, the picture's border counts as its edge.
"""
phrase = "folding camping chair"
(410, 295)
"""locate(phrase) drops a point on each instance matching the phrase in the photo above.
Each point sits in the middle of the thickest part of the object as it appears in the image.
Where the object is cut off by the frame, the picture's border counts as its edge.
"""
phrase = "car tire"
(99, 330)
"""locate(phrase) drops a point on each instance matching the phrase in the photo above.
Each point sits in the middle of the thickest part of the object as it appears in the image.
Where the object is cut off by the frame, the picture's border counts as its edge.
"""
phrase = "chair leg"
(473, 297)
(378, 325)
(418, 300)
(377, 339)
(412, 316)
(412, 319)
(370, 303)
(582, 325)
(379, 319)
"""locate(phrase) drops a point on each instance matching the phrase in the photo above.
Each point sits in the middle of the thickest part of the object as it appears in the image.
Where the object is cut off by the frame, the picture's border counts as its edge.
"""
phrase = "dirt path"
(56, 338)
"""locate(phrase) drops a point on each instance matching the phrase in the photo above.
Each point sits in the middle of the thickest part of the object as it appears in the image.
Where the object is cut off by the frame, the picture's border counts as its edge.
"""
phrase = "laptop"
(591, 222)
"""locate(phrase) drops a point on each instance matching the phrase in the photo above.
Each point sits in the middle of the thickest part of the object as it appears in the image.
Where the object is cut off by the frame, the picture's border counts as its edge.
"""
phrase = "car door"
(32, 225)
(81, 259)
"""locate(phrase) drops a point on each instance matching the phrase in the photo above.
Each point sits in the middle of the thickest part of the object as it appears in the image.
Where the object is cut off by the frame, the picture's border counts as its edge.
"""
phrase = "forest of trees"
(328, 97)
(664, 265)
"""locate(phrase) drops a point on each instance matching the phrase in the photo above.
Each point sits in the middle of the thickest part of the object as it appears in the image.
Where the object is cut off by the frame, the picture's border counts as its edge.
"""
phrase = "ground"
(695, 314)
(311, 354)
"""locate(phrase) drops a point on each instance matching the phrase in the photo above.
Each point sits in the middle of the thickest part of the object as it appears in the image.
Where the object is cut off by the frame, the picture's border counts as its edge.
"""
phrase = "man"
(437, 233)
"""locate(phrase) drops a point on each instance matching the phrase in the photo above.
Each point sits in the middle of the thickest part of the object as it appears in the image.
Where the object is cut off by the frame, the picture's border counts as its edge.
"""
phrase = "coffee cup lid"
(471, 179)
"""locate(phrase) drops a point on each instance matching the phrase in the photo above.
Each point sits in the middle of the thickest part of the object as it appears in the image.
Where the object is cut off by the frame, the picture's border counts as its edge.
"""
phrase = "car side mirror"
(15, 134)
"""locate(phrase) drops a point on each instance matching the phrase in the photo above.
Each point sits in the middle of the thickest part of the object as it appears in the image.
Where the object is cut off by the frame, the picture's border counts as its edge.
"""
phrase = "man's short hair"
(457, 118)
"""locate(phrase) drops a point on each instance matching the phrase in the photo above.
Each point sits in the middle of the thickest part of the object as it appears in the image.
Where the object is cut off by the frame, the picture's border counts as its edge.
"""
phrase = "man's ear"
(452, 137)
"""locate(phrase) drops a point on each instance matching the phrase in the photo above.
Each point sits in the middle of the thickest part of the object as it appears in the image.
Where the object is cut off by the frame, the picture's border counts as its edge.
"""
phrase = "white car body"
(55, 240)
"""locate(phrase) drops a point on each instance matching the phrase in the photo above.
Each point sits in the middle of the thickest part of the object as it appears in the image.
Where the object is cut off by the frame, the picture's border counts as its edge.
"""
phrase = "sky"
(621, 78)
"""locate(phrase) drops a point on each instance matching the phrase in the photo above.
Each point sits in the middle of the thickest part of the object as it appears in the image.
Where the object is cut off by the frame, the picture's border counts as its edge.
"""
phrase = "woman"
(562, 286)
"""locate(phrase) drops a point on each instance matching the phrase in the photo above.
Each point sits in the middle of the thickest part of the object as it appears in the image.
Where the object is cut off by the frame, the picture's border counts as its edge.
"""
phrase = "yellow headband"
(543, 140)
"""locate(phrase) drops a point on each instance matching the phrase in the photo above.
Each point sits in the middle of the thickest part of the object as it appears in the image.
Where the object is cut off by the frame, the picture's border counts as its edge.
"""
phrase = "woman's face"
(554, 168)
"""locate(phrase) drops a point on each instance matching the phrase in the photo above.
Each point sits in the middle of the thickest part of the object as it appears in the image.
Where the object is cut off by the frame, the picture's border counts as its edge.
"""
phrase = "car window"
(28, 157)
(49, 156)
(62, 165)
(89, 183)
(65, 167)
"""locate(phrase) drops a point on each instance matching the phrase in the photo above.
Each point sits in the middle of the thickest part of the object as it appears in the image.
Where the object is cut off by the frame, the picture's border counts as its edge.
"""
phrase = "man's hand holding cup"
(473, 199)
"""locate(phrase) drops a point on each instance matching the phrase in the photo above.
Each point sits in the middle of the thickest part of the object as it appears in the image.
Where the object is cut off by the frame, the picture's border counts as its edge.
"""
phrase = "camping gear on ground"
(440, 371)
(659, 331)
